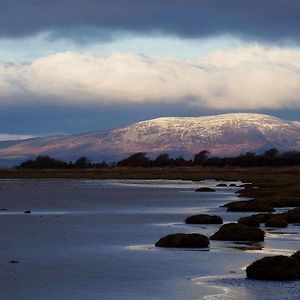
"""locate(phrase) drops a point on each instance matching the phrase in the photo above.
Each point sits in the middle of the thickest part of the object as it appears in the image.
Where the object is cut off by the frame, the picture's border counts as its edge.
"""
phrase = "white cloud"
(13, 137)
(249, 77)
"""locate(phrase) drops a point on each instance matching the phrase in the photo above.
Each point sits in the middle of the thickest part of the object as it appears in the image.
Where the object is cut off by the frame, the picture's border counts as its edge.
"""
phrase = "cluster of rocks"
(272, 220)
(246, 229)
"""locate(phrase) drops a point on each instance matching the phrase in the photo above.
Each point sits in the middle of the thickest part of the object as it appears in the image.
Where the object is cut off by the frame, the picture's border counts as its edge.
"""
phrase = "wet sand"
(95, 240)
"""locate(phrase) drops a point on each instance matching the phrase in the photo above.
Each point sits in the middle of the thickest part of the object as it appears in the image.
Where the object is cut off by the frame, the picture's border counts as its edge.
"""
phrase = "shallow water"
(95, 240)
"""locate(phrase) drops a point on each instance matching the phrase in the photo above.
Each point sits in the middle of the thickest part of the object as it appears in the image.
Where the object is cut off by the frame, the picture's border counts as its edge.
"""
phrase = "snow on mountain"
(227, 134)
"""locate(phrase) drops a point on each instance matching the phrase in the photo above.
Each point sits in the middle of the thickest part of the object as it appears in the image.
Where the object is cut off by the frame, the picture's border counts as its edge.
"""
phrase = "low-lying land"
(271, 187)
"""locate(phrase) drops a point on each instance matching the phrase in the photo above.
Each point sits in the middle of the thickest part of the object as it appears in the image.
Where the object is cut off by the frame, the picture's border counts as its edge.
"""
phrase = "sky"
(70, 66)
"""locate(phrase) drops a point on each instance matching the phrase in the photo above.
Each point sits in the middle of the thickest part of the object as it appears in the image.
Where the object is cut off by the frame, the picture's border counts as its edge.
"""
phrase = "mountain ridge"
(226, 134)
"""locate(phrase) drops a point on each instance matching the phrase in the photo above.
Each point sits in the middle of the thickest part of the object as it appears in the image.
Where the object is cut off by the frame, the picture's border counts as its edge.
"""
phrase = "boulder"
(249, 206)
(292, 215)
(296, 256)
(255, 220)
(232, 184)
(249, 221)
(238, 232)
(262, 218)
(221, 184)
(183, 240)
(204, 219)
(27, 212)
(273, 268)
(277, 221)
(205, 189)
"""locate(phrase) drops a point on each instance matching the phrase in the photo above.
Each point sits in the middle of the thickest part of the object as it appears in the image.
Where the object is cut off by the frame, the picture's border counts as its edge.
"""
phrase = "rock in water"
(205, 189)
(204, 219)
(277, 221)
(238, 232)
(183, 240)
(273, 268)
(249, 221)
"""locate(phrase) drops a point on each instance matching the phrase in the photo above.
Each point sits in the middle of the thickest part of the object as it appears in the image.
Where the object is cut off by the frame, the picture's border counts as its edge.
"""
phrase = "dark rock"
(238, 232)
(273, 268)
(13, 262)
(262, 218)
(221, 184)
(205, 189)
(295, 210)
(27, 212)
(204, 219)
(183, 240)
(249, 221)
(284, 202)
(277, 221)
(232, 184)
(296, 256)
(255, 220)
(249, 206)
(292, 216)
(3, 209)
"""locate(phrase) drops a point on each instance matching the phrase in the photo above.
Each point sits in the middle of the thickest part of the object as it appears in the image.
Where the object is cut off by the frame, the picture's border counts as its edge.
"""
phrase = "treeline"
(47, 162)
(270, 158)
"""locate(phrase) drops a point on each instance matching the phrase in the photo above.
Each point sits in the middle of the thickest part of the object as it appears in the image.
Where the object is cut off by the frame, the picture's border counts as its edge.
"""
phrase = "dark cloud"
(270, 20)
(38, 119)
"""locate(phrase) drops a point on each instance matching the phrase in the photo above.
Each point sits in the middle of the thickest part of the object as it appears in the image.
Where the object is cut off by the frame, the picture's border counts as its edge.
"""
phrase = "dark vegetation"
(271, 158)
(47, 162)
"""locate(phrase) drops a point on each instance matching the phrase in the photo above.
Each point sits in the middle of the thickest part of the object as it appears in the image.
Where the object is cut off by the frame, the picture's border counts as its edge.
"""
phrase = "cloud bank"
(243, 78)
(271, 20)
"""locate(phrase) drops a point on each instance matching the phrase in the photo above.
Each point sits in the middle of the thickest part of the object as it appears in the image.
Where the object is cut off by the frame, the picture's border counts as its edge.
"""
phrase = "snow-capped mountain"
(227, 134)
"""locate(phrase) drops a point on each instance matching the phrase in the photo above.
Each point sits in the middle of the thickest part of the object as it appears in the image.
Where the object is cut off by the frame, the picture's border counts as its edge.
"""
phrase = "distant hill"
(227, 134)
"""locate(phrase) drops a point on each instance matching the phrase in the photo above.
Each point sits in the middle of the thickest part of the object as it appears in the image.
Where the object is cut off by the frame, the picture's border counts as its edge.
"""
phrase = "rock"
(221, 184)
(249, 206)
(255, 220)
(273, 268)
(249, 221)
(295, 210)
(27, 212)
(238, 232)
(3, 209)
(13, 262)
(284, 202)
(183, 240)
(296, 256)
(292, 215)
(277, 221)
(205, 189)
(204, 219)
(232, 184)
(262, 218)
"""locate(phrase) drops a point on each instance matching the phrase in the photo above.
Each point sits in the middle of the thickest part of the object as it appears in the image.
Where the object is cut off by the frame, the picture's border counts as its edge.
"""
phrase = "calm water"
(91, 240)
